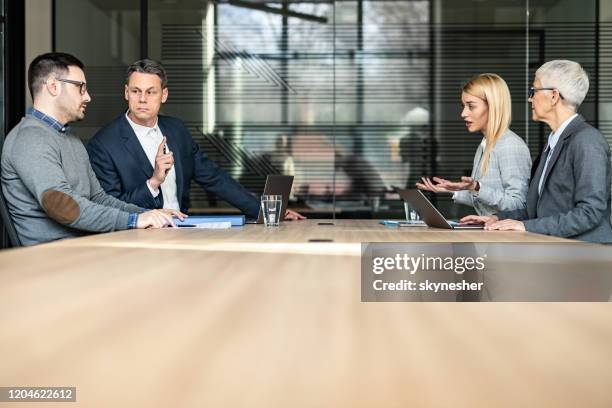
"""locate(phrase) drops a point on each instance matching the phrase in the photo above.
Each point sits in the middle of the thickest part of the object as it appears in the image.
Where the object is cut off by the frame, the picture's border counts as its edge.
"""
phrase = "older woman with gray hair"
(569, 192)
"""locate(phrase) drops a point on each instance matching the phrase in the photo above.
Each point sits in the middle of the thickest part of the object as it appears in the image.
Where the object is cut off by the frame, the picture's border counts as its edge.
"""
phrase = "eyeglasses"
(531, 91)
(82, 85)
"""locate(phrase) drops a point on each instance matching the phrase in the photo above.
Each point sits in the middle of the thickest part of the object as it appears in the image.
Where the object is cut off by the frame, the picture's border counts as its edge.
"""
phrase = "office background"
(351, 97)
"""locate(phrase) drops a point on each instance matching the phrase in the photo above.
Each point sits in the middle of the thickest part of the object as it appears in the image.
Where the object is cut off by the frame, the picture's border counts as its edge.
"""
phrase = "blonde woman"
(502, 165)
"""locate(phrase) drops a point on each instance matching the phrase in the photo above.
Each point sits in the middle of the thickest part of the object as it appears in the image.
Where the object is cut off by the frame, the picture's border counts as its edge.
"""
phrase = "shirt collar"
(139, 128)
(554, 137)
(47, 120)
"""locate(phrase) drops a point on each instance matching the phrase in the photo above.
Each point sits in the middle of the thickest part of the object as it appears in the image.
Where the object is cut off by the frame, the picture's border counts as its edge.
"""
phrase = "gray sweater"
(50, 188)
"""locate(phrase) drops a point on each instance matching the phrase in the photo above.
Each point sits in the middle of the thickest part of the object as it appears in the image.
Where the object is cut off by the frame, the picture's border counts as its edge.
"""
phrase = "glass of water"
(411, 214)
(271, 208)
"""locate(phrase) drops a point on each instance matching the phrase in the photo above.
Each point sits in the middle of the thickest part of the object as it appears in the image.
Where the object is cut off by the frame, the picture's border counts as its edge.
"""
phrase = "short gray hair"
(148, 66)
(568, 77)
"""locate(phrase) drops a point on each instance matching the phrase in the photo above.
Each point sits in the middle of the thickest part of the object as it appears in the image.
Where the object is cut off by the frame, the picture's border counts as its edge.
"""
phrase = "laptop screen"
(277, 185)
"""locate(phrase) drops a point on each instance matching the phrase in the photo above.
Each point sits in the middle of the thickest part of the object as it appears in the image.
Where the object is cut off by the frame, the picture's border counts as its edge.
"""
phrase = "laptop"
(429, 213)
(278, 185)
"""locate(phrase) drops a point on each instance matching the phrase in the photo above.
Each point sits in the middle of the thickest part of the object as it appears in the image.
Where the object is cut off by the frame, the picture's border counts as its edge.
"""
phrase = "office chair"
(8, 223)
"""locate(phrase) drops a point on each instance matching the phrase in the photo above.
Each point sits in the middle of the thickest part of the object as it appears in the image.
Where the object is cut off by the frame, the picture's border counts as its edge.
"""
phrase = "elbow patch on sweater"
(60, 207)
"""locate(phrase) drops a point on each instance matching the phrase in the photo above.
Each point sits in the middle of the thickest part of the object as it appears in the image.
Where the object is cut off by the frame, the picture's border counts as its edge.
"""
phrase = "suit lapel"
(173, 145)
(477, 160)
(569, 130)
(536, 174)
(133, 147)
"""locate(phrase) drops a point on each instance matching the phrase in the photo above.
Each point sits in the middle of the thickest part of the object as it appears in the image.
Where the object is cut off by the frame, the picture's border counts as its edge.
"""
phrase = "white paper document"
(206, 225)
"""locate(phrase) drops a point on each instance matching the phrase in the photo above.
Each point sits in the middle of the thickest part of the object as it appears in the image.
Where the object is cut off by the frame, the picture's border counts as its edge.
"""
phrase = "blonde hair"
(492, 89)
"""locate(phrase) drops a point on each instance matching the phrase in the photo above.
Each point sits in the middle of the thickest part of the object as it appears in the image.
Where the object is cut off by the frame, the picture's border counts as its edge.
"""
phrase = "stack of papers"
(401, 223)
(206, 225)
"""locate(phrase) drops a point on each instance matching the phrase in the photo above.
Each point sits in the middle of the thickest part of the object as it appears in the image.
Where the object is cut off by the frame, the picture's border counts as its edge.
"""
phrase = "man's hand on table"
(291, 215)
(175, 213)
(154, 219)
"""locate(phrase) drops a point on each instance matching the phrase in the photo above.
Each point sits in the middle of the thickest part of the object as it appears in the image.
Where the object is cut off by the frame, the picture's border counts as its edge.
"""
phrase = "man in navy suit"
(149, 159)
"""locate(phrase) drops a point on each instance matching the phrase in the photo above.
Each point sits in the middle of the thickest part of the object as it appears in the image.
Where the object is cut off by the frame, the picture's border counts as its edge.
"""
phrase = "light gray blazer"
(504, 186)
(575, 198)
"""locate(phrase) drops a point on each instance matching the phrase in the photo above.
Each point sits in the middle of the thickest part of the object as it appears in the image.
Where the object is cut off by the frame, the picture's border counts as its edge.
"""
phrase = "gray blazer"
(504, 186)
(575, 198)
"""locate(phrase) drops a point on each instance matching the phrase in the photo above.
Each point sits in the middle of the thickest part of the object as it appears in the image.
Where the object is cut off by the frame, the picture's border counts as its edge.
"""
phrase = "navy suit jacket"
(123, 168)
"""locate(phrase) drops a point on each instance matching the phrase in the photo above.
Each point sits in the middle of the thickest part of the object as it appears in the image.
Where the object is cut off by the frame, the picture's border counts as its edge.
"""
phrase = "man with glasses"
(149, 159)
(569, 192)
(50, 188)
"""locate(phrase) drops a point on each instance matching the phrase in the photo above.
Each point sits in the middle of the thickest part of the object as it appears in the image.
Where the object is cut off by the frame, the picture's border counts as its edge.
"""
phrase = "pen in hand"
(164, 161)
(166, 151)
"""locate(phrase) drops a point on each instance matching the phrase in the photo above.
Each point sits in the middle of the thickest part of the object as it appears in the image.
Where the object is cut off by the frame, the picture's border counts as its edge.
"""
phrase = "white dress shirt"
(150, 138)
(553, 139)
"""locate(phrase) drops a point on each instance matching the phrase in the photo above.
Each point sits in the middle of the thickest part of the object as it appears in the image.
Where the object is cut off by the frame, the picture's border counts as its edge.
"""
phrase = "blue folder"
(402, 223)
(236, 220)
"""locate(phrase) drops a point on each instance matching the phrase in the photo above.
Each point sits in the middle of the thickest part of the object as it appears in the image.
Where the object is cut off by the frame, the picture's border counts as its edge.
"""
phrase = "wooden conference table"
(256, 317)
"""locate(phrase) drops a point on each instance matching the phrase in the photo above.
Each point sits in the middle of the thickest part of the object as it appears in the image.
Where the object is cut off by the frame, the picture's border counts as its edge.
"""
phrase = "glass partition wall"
(353, 97)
